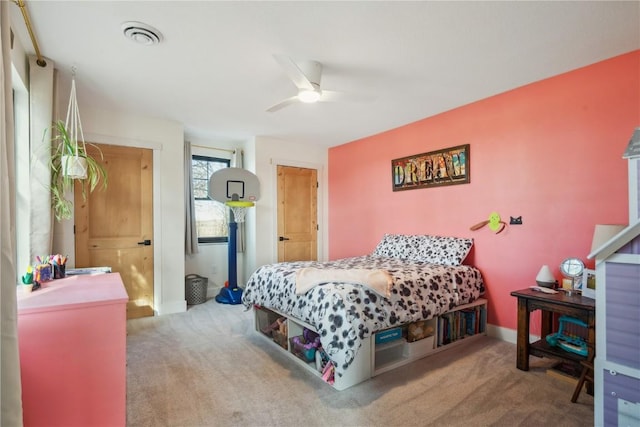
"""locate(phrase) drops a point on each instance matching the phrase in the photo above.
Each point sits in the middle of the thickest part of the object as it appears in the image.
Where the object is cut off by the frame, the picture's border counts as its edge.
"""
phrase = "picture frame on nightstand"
(589, 283)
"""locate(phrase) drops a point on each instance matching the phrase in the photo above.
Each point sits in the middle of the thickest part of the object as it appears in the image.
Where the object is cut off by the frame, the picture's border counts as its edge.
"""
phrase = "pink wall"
(550, 151)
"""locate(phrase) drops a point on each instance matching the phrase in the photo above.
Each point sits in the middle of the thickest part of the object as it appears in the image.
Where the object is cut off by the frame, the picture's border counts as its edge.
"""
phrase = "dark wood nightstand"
(572, 305)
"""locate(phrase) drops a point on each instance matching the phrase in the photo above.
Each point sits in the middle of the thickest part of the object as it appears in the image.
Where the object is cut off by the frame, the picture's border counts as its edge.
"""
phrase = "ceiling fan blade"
(294, 72)
(283, 104)
(335, 96)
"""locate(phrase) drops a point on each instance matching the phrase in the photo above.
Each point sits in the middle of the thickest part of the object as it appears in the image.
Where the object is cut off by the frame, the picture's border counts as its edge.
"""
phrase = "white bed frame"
(372, 359)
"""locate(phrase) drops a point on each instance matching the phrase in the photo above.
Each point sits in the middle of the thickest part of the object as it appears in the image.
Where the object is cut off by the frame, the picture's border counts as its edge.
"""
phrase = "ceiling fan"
(306, 76)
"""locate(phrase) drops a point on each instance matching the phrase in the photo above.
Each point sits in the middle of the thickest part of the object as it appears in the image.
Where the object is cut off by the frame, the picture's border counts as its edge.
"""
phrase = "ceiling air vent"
(141, 33)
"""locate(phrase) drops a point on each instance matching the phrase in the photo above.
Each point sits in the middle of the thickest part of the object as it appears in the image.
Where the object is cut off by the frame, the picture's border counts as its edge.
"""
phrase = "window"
(212, 218)
(23, 176)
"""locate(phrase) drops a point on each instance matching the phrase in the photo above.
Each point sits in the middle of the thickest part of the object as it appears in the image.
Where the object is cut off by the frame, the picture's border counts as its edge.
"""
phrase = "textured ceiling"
(214, 70)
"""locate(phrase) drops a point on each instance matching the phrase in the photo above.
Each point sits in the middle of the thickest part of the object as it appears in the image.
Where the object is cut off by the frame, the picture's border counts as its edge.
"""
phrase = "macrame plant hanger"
(74, 166)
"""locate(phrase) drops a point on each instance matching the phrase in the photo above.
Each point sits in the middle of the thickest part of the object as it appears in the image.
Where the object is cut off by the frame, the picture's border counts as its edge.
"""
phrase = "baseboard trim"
(172, 307)
(506, 334)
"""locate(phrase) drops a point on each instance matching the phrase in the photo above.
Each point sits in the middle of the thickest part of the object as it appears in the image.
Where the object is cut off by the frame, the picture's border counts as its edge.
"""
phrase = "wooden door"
(114, 227)
(297, 214)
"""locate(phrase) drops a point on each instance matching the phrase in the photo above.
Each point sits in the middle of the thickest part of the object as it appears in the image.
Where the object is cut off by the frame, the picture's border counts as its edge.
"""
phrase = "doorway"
(297, 214)
(114, 227)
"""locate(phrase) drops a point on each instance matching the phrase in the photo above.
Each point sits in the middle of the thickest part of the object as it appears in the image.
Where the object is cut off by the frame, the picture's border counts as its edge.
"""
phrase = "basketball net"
(239, 209)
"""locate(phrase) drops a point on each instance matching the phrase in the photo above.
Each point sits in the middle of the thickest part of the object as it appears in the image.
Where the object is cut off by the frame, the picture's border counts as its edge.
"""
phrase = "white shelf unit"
(464, 327)
(358, 371)
(372, 359)
(388, 356)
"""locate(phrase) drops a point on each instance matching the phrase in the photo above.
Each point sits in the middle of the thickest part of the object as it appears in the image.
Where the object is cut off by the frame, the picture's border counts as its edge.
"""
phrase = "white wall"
(262, 155)
(212, 260)
(42, 109)
(166, 139)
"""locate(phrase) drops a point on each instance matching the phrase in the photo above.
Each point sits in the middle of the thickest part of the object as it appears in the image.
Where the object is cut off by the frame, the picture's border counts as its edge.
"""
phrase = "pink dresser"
(72, 335)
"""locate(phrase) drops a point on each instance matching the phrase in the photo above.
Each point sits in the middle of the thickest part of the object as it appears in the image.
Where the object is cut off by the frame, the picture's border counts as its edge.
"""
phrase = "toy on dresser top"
(47, 268)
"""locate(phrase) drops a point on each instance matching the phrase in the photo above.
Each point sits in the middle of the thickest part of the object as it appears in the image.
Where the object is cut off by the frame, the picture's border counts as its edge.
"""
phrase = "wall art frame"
(448, 166)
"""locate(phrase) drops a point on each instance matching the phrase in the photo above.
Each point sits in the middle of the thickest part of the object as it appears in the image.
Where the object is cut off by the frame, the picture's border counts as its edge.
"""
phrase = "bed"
(426, 279)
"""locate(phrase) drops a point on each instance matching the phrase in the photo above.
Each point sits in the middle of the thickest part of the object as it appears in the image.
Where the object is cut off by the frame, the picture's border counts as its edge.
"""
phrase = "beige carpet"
(207, 367)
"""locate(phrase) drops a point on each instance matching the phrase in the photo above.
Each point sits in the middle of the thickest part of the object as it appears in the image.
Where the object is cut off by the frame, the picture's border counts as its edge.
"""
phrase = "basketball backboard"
(235, 184)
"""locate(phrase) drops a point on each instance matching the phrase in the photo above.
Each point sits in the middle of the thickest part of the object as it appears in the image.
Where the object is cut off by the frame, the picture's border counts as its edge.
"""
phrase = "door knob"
(145, 242)
(283, 238)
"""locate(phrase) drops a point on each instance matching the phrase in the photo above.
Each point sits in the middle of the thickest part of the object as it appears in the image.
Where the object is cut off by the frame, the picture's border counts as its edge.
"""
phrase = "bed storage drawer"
(389, 354)
(421, 347)
(388, 335)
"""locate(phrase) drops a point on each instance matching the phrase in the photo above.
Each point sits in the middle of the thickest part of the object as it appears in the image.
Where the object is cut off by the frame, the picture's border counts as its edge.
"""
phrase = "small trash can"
(195, 289)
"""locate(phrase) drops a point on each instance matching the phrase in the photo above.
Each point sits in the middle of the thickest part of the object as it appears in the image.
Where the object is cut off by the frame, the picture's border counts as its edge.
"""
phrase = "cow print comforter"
(343, 314)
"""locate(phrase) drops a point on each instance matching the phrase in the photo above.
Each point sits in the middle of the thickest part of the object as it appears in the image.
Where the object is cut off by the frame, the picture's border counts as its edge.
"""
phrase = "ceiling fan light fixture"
(309, 96)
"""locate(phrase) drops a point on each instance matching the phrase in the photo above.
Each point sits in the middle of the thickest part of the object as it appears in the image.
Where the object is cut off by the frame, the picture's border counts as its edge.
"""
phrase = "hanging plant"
(70, 161)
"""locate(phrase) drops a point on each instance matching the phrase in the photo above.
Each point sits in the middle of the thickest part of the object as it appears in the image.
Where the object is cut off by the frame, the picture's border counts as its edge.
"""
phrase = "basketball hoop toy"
(238, 189)
(239, 209)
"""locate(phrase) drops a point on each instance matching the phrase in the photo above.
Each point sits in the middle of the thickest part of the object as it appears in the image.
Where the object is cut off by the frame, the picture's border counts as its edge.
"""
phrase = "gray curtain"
(10, 388)
(237, 160)
(41, 105)
(191, 234)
